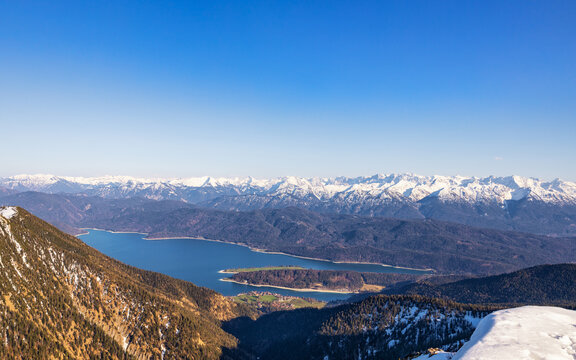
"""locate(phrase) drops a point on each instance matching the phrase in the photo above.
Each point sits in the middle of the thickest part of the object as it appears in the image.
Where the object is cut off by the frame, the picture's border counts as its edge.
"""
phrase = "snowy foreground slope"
(529, 332)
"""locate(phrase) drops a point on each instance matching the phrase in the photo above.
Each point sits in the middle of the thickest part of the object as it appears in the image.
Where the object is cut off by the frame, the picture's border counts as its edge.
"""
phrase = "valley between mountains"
(445, 247)
(63, 299)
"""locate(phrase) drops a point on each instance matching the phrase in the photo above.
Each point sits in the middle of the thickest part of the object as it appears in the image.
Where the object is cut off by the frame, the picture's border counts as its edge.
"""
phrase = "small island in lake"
(242, 270)
(295, 278)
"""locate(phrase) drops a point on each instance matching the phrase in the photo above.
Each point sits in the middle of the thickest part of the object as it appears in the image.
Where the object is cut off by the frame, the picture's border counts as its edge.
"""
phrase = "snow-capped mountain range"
(512, 203)
(403, 187)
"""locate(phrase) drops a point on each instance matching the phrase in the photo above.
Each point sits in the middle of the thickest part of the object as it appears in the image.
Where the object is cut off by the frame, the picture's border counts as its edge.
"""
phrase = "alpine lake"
(199, 261)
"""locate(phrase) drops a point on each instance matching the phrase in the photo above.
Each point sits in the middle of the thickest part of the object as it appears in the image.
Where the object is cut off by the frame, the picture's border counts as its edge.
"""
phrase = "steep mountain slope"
(538, 285)
(511, 203)
(63, 299)
(445, 247)
(379, 327)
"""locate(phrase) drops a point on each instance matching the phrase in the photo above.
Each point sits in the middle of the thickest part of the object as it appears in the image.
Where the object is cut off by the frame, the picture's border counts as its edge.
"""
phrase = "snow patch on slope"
(440, 355)
(529, 332)
(8, 212)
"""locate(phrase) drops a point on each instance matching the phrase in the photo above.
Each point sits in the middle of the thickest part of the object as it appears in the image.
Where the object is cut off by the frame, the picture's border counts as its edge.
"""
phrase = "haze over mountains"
(511, 203)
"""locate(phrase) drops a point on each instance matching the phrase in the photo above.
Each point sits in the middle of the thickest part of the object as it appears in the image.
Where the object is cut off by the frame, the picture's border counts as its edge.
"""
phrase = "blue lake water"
(199, 261)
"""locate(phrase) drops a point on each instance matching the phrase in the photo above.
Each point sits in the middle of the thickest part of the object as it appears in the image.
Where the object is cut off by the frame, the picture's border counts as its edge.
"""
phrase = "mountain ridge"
(408, 186)
(505, 203)
(549, 284)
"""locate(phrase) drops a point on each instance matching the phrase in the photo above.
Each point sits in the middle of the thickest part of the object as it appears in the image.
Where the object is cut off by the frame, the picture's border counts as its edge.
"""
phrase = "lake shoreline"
(111, 231)
(292, 255)
(424, 271)
(203, 262)
(264, 268)
(289, 288)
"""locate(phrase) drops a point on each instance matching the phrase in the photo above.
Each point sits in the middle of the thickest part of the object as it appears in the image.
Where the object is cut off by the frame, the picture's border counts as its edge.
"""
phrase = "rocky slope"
(62, 299)
(512, 203)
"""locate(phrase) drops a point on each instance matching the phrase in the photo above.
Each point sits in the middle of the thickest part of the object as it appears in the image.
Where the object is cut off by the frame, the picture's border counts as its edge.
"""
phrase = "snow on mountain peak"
(406, 187)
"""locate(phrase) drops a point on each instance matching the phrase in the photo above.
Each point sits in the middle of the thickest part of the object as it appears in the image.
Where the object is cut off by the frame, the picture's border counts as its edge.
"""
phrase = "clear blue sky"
(273, 88)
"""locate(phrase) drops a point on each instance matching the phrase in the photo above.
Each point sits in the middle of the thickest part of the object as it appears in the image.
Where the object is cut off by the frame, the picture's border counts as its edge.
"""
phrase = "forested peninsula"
(321, 280)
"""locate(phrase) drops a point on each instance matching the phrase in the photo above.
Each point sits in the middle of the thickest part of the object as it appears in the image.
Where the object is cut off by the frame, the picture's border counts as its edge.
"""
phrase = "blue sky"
(305, 88)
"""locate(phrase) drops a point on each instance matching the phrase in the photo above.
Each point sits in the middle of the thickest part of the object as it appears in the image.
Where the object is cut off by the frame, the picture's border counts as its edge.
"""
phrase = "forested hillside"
(341, 280)
(63, 299)
(379, 327)
(538, 285)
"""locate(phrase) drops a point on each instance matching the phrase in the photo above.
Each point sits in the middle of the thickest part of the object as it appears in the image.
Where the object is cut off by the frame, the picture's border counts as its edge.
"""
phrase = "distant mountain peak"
(490, 201)
(494, 187)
